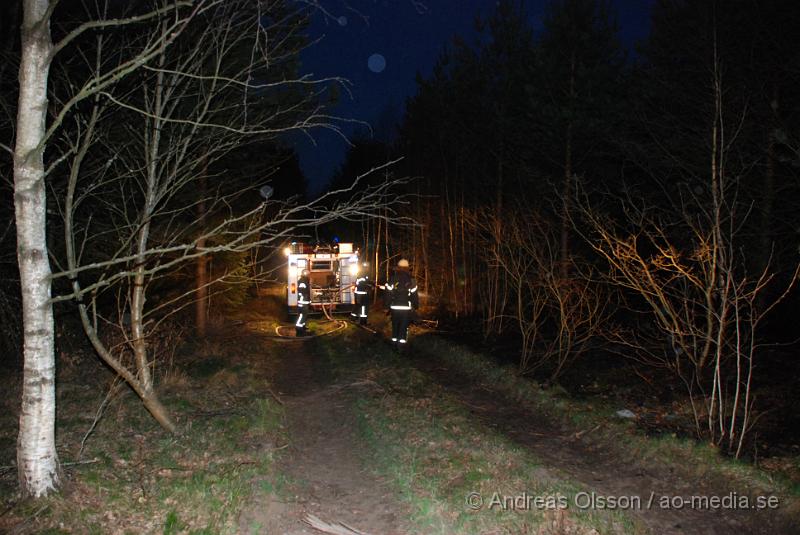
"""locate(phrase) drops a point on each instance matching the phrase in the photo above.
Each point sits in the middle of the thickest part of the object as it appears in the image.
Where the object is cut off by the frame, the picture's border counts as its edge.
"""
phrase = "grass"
(696, 459)
(436, 454)
(206, 367)
(140, 479)
(421, 439)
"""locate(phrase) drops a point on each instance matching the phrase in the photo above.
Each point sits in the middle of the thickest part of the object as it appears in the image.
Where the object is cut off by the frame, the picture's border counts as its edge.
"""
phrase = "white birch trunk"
(37, 460)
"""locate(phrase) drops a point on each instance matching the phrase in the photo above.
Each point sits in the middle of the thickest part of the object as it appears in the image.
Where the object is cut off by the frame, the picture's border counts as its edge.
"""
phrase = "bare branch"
(108, 23)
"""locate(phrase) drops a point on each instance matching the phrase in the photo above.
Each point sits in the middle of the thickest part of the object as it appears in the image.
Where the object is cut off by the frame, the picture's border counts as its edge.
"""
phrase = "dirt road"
(328, 476)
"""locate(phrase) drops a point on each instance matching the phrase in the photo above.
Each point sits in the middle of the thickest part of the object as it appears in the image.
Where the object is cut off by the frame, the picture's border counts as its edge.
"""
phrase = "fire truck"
(332, 271)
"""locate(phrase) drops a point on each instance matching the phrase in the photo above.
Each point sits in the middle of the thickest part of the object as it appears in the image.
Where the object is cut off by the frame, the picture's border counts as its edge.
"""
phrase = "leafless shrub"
(689, 278)
(556, 317)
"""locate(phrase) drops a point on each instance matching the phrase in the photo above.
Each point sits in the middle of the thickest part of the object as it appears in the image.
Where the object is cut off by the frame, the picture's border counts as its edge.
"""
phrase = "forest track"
(329, 476)
(324, 465)
(601, 468)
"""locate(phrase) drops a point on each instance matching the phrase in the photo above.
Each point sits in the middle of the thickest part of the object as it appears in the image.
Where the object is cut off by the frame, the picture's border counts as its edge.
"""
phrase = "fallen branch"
(79, 463)
(579, 434)
(274, 395)
(99, 414)
(338, 528)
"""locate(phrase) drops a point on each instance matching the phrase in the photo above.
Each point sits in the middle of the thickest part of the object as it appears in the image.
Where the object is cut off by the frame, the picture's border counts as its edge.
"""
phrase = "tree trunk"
(201, 299)
(377, 251)
(138, 295)
(37, 459)
(450, 240)
(426, 236)
(386, 243)
(201, 264)
(148, 396)
(566, 191)
(768, 192)
(497, 298)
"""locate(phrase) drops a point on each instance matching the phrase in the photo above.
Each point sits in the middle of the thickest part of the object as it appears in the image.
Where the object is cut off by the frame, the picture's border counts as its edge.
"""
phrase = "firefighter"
(403, 300)
(362, 288)
(303, 300)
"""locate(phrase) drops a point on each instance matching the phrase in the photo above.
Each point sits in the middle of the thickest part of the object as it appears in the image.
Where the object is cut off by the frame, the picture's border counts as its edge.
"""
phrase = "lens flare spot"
(376, 63)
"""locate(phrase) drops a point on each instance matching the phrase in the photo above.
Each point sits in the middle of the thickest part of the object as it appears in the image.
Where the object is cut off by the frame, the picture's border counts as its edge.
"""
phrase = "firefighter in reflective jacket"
(362, 288)
(403, 300)
(303, 300)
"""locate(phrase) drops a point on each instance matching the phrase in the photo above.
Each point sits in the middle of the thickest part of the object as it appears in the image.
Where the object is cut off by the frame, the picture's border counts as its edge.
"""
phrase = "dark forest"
(600, 240)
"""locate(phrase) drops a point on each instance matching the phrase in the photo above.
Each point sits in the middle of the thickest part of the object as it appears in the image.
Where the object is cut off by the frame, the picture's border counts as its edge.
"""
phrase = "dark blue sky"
(410, 39)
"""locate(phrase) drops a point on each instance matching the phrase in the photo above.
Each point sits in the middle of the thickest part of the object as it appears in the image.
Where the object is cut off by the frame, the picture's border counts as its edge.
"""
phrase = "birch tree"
(37, 459)
(38, 466)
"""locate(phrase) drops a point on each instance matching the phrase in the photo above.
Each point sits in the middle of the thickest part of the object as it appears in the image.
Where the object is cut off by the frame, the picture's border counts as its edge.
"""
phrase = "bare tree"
(194, 80)
(37, 458)
(705, 308)
(678, 250)
(196, 103)
(683, 265)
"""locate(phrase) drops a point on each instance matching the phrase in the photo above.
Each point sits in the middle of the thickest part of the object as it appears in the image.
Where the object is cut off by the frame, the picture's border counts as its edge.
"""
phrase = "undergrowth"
(693, 458)
(133, 477)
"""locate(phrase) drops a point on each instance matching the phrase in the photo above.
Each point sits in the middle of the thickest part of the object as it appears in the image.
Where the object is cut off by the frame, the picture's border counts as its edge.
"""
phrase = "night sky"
(360, 36)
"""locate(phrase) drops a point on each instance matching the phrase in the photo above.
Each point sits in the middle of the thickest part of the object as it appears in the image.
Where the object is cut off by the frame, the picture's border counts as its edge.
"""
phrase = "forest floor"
(340, 431)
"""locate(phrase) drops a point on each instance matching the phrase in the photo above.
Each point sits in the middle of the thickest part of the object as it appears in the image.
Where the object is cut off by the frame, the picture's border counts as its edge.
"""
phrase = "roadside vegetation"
(599, 415)
(437, 453)
(129, 476)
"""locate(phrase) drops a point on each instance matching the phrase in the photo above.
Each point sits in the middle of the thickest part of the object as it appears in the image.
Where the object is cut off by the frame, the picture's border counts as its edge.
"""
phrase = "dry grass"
(140, 478)
(174, 379)
(693, 459)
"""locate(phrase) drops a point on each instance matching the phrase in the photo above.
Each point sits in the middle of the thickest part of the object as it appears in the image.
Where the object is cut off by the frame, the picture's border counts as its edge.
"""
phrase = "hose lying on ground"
(340, 324)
